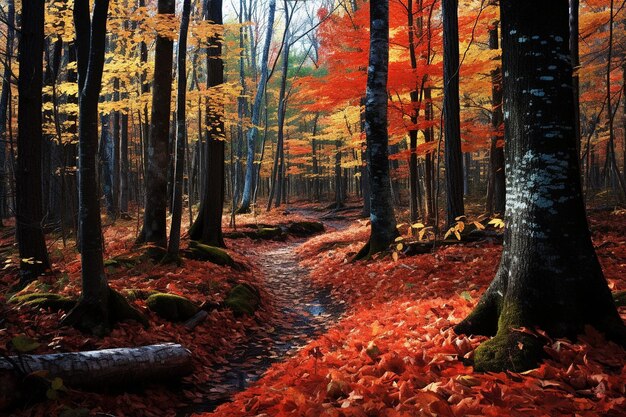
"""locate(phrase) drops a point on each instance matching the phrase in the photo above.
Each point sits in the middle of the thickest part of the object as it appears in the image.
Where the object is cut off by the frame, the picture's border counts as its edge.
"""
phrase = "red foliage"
(396, 355)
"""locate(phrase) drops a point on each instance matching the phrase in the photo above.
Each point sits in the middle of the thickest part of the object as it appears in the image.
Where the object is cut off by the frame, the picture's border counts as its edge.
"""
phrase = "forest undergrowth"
(392, 354)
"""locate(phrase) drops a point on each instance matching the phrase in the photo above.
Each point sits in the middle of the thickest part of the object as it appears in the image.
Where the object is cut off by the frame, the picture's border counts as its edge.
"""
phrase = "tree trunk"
(121, 367)
(496, 181)
(154, 223)
(573, 46)
(452, 125)
(29, 217)
(277, 171)
(181, 132)
(4, 107)
(549, 275)
(383, 221)
(208, 225)
(250, 179)
(98, 307)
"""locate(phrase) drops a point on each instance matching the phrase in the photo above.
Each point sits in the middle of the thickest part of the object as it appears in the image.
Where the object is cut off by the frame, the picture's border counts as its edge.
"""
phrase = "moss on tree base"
(44, 300)
(171, 307)
(98, 318)
(509, 351)
(243, 299)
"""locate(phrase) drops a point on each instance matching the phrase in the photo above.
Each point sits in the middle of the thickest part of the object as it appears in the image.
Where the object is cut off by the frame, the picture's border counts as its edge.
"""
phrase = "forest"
(342, 208)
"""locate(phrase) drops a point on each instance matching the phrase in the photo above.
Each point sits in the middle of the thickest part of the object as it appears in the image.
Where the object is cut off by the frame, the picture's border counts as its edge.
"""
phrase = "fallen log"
(108, 367)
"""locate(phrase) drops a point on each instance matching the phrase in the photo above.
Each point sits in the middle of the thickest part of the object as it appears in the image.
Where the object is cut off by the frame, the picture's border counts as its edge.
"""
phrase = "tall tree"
(4, 105)
(28, 173)
(250, 178)
(451, 111)
(382, 217)
(181, 131)
(99, 306)
(207, 227)
(496, 182)
(549, 275)
(154, 220)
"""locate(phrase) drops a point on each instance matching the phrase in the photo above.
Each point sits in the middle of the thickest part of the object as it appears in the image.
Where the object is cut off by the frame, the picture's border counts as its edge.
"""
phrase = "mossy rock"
(620, 298)
(138, 294)
(235, 235)
(305, 228)
(172, 307)
(201, 252)
(243, 299)
(267, 233)
(44, 300)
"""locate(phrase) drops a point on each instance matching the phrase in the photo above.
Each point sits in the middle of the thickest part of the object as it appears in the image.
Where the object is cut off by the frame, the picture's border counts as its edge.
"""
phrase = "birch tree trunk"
(250, 178)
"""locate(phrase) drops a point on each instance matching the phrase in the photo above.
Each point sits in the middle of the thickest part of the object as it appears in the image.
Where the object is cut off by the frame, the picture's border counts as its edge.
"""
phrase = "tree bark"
(181, 132)
(452, 124)
(250, 179)
(496, 182)
(120, 367)
(549, 275)
(28, 174)
(4, 107)
(207, 227)
(154, 223)
(382, 217)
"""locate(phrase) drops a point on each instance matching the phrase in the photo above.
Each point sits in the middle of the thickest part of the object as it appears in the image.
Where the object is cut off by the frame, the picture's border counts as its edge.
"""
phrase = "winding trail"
(302, 313)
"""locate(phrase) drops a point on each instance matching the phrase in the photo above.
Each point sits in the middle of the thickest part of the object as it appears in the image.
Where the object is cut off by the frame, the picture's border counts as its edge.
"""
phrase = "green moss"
(509, 351)
(44, 300)
(305, 228)
(269, 233)
(620, 298)
(235, 235)
(243, 299)
(121, 309)
(208, 253)
(171, 307)
(138, 294)
(121, 261)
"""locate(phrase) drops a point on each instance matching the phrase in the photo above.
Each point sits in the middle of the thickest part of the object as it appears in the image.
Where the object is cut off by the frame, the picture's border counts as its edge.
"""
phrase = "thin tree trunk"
(4, 108)
(181, 132)
(452, 130)
(250, 179)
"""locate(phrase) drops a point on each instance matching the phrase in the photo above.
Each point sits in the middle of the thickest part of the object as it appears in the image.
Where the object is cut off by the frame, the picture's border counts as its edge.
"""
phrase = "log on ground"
(120, 367)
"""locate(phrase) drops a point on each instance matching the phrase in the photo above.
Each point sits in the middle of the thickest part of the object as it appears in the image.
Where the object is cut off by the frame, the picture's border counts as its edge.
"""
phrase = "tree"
(98, 306)
(451, 113)
(549, 276)
(496, 180)
(28, 173)
(382, 217)
(4, 104)
(181, 132)
(207, 227)
(250, 179)
(154, 220)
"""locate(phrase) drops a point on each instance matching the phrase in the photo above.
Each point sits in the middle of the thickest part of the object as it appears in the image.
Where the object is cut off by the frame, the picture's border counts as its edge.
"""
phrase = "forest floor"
(331, 337)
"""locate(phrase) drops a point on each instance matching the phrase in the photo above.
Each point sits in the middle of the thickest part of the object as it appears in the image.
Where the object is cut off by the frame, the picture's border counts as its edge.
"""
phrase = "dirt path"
(303, 312)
